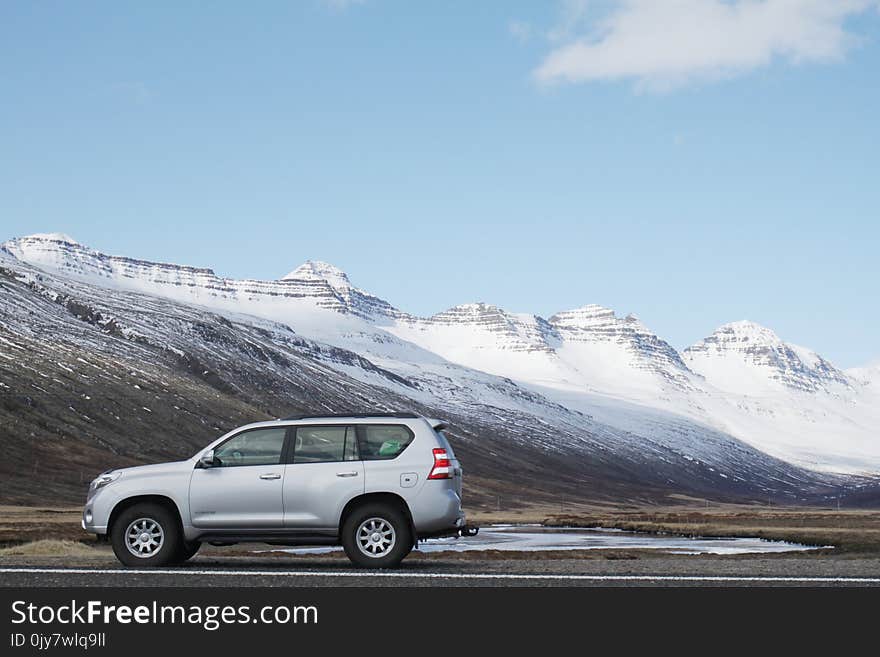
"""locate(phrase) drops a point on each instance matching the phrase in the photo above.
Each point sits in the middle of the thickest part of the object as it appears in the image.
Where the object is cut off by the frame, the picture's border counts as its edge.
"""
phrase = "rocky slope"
(584, 381)
(93, 378)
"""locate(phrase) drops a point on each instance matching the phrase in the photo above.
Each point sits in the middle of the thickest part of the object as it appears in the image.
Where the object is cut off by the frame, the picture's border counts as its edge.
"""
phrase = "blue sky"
(539, 156)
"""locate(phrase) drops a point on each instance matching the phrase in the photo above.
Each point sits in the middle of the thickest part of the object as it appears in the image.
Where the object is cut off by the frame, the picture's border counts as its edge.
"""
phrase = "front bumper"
(88, 521)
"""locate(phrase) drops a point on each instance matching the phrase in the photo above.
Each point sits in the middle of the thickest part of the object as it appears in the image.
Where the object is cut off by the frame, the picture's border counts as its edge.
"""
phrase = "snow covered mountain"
(314, 285)
(94, 377)
(738, 390)
(746, 358)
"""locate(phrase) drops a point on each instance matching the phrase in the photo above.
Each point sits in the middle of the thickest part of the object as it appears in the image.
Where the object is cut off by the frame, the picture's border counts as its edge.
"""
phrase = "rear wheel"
(146, 535)
(376, 536)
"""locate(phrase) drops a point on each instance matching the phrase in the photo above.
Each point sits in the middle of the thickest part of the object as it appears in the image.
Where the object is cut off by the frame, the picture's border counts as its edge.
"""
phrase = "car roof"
(409, 419)
(353, 416)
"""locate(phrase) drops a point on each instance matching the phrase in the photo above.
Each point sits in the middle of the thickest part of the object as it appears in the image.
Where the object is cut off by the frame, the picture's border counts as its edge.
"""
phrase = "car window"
(254, 447)
(325, 445)
(384, 441)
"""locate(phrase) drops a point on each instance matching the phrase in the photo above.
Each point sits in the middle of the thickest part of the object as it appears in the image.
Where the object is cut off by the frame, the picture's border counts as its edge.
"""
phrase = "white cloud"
(666, 43)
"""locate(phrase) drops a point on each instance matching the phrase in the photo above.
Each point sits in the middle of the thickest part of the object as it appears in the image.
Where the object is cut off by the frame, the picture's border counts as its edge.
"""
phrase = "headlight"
(105, 478)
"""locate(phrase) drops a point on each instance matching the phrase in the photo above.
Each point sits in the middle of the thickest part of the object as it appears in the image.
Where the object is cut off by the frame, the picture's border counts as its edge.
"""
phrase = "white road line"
(406, 575)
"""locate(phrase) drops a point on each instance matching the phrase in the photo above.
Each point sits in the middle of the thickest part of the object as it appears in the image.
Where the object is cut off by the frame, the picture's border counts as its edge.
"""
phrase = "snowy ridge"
(321, 271)
(742, 381)
(516, 332)
(121, 377)
(632, 341)
(743, 357)
(317, 285)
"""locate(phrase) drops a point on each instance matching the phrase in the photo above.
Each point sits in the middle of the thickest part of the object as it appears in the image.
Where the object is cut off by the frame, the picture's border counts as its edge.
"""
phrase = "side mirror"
(207, 459)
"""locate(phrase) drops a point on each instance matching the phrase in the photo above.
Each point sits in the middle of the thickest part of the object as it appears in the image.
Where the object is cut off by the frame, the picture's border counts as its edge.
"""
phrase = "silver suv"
(375, 484)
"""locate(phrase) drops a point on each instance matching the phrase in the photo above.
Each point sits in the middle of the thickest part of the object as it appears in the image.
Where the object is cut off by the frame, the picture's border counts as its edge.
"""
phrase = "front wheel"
(376, 536)
(146, 535)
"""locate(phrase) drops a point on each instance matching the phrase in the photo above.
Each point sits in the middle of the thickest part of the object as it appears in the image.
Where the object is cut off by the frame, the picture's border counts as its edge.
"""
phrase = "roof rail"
(308, 416)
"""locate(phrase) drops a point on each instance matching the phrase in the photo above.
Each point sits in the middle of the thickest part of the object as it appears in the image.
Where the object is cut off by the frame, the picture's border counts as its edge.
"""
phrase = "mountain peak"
(474, 308)
(595, 317)
(748, 331)
(634, 342)
(591, 308)
(583, 317)
(315, 274)
(480, 312)
(50, 237)
(743, 356)
(741, 337)
(317, 269)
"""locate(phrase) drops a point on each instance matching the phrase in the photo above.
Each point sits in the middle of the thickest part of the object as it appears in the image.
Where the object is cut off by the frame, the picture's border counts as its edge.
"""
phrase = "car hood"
(153, 468)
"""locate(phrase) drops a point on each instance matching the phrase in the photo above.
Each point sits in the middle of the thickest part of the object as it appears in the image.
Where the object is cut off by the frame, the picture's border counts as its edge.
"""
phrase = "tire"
(187, 550)
(162, 528)
(359, 536)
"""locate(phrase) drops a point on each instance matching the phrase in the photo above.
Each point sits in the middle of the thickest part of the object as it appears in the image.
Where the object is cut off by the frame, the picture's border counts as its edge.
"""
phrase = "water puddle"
(534, 538)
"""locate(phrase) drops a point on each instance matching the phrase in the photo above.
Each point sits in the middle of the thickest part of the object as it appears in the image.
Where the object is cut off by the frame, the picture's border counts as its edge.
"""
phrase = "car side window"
(253, 447)
(325, 445)
(380, 442)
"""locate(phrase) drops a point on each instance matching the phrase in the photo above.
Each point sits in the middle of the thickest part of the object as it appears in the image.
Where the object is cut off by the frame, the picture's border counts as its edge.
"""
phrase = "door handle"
(351, 473)
(273, 475)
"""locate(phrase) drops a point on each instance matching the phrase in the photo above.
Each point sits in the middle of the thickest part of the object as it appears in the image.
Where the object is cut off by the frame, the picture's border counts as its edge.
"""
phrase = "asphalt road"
(441, 570)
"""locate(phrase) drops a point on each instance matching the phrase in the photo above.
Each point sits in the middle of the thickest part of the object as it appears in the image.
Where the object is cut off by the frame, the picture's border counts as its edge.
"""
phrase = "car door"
(243, 489)
(323, 474)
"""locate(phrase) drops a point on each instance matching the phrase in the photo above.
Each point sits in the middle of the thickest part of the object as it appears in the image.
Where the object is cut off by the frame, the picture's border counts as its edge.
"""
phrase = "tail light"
(441, 469)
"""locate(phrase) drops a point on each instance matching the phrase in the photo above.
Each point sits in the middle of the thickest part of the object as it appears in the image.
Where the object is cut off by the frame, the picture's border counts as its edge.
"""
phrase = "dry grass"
(48, 548)
(531, 514)
(847, 531)
(20, 524)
